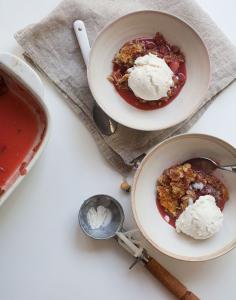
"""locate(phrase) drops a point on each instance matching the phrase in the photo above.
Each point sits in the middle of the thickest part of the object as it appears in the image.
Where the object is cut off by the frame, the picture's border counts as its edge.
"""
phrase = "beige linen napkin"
(52, 47)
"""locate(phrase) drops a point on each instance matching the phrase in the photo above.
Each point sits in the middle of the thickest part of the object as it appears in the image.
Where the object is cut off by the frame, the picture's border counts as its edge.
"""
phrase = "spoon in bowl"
(209, 165)
(106, 125)
(112, 227)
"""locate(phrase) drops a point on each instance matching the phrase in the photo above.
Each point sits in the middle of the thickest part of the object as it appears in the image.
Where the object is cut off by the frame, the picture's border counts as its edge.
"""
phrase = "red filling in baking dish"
(22, 127)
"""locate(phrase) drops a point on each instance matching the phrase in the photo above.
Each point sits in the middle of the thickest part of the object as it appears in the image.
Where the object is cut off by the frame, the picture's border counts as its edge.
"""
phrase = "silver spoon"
(106, 125)
(209, 165)
(114, 229)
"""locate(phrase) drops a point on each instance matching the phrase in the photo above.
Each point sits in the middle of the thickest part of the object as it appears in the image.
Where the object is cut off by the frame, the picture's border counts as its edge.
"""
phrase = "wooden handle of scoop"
(169, 281)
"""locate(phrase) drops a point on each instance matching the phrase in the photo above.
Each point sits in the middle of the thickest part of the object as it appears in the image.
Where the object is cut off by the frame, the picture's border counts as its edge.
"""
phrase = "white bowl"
(157, 231)
(146, 24)
(14, 71)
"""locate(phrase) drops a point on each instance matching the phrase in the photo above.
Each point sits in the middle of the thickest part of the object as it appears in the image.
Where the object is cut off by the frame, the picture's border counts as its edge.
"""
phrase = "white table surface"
(43, 254)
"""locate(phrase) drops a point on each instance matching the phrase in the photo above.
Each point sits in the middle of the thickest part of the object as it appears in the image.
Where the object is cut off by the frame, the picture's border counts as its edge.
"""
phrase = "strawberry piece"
(182, 78)
(174, 65)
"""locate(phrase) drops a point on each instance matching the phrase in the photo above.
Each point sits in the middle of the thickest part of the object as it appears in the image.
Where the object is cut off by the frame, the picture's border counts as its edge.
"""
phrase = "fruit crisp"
(181, 185)
(125, 58)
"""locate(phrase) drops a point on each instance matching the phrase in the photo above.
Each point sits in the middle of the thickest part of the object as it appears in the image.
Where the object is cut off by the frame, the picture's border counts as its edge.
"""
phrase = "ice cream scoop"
(126, 239)
(150, 78)
(200, 220)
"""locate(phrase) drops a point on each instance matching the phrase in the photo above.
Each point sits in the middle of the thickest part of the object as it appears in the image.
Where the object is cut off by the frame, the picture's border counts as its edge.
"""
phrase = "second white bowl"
(154, 228)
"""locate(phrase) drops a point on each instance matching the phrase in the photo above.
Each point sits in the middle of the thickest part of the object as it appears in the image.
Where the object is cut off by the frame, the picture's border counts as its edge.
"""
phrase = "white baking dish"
(23, 79)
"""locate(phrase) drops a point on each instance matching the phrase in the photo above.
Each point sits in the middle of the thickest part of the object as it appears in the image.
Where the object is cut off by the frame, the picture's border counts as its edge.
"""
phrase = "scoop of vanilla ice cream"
(201, 220)
(150, 78)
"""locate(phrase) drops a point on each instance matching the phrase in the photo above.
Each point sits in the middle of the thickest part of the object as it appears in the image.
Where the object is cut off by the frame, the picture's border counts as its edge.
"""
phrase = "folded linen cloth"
(52, 47)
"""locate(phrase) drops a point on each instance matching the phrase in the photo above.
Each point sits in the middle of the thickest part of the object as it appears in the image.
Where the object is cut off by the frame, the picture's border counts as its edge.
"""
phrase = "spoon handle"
(231, 168)
(169, 281)
(82, 37)
(105, 124)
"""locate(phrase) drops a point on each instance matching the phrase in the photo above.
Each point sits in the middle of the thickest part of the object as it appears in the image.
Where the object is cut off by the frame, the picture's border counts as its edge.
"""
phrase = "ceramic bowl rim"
(139, 124)
(225, 248)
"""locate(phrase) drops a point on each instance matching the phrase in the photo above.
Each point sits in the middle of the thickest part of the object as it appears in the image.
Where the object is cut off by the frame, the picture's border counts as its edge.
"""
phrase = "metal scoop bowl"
(126, 239)
(103, 232)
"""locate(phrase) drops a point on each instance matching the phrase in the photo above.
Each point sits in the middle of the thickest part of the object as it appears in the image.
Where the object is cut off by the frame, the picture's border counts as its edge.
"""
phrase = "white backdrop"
(43, 254)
